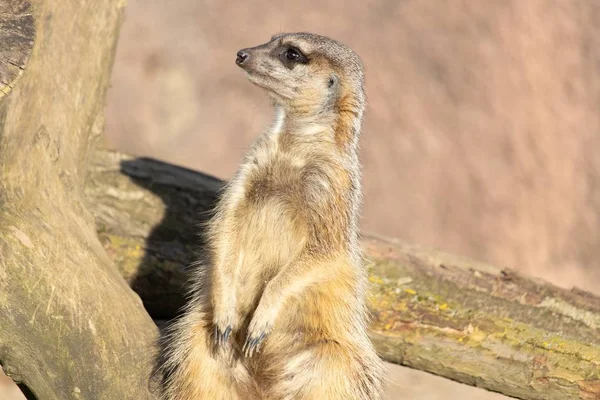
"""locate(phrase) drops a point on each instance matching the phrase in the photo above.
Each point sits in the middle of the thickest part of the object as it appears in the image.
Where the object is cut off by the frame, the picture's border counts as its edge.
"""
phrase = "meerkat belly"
(262, 223)
(324, 309)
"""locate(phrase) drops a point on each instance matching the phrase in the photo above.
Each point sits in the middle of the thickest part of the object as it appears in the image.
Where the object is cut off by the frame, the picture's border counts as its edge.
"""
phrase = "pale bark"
(452, 316)
(70, 326)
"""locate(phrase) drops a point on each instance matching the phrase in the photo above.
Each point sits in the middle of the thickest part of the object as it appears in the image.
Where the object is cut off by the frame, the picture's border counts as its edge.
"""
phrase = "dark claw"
(252, 345)
(217, 335)
(222, 337)
(227, 333)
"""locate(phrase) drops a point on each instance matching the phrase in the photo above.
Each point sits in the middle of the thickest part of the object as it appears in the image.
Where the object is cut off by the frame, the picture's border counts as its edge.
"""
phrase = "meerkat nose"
(242, 57)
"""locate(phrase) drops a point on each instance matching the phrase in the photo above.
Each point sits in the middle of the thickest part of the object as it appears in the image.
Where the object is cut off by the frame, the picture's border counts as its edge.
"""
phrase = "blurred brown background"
(480, 137)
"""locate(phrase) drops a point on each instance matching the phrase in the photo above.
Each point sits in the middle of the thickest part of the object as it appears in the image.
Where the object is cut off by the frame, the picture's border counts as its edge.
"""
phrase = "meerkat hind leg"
(200, 371)
(323, 371)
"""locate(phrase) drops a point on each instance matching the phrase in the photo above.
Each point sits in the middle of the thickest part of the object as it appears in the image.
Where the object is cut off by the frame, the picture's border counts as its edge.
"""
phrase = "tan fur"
(285, 261)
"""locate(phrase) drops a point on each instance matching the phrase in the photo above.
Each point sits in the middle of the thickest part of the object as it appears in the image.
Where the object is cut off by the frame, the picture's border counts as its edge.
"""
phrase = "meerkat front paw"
(260, 326)
(222, 335)
(225, 321)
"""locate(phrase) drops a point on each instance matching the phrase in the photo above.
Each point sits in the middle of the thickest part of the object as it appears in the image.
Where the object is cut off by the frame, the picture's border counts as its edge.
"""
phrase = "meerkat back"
(278, 310)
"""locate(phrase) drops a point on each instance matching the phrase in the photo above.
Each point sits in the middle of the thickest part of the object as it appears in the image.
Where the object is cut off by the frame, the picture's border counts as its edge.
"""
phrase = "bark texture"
(70, 326)
(452, 316)
(17, 33)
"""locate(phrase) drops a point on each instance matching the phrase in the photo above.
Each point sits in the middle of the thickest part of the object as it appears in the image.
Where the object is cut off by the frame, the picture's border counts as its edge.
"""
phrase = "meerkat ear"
(332, 81)
(333, 92)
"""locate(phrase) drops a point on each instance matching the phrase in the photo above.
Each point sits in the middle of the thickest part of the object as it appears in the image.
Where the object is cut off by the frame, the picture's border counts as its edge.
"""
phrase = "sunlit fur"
(284, 256)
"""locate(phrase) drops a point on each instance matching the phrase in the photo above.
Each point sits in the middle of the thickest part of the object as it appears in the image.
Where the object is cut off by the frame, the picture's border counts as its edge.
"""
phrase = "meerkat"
(278, 311)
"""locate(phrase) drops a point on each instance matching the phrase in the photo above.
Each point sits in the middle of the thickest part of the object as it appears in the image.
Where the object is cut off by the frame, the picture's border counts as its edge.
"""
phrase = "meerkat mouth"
(257, 78)
(263, 81)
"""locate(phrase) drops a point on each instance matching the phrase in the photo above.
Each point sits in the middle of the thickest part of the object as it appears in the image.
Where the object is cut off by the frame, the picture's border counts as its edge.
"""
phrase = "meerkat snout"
(242, 57)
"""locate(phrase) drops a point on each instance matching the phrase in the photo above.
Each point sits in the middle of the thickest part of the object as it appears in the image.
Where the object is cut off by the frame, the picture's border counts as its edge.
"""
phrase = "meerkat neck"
(339, 124)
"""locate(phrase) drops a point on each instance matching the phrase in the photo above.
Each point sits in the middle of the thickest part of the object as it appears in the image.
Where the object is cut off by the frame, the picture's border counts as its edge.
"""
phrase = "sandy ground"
(403, 384)
(8, 390)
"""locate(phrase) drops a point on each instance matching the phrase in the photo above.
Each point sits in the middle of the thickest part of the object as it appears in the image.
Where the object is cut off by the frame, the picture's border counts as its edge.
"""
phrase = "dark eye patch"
(290, 56)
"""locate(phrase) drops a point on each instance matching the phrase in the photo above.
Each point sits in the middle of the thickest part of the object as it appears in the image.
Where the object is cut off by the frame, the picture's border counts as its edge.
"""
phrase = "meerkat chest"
(274, 177)
(266, 202)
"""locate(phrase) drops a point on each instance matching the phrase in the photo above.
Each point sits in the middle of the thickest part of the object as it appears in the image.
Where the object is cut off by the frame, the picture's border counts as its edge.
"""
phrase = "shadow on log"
(148, 216)
(451, 316)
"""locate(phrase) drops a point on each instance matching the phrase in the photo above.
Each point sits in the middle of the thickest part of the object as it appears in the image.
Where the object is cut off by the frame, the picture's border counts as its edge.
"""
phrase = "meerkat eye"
(292, 55)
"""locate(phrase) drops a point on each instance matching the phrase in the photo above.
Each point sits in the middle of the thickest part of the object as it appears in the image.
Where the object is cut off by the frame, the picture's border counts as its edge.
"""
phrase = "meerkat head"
(306, 73)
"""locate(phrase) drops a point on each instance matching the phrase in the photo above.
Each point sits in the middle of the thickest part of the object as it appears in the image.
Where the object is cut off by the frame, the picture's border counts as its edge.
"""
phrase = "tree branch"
(70, 327)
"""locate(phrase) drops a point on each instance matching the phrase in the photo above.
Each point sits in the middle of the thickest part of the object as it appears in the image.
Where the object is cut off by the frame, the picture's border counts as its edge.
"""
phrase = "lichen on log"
(448, 315)
(483, 326)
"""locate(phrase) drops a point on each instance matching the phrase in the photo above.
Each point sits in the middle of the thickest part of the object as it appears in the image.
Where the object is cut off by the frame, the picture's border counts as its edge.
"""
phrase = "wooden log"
(147, 216)
(448, 315)
(17, 34)
(70, 326)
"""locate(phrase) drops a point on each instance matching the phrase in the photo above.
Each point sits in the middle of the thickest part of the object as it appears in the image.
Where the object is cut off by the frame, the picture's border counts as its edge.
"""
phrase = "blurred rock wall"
(481, 135)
